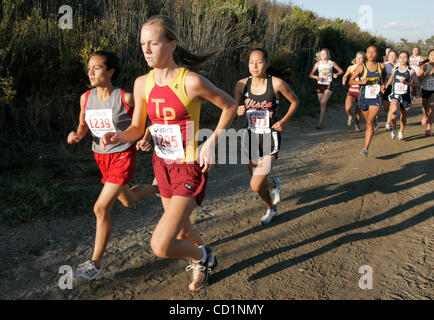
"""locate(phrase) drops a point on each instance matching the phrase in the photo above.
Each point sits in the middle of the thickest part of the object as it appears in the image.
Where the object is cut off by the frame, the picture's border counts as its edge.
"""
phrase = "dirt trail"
(339, 212)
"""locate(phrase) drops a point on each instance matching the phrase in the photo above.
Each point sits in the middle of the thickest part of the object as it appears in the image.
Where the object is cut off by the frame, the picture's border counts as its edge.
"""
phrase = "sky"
(393, 20)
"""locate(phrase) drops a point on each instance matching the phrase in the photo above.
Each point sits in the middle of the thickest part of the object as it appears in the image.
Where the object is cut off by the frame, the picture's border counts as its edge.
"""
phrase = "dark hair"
(427, 58)
(374, 46)
(406, 52)
(170, 31)
(110, 60)
(264, 53)
(393, 50)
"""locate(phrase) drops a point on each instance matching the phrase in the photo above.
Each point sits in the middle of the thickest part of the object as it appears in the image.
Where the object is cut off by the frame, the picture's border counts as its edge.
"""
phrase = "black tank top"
(266, 102)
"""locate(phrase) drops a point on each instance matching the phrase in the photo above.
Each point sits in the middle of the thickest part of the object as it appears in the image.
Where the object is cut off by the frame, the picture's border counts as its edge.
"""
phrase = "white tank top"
(415, 64)
(428, 82)
(325, 72)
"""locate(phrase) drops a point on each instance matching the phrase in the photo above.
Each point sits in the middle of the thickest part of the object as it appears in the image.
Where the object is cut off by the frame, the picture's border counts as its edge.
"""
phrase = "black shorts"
(404, 101)
(387, 93)
(426, 94)
(321, 88)
(258, 145)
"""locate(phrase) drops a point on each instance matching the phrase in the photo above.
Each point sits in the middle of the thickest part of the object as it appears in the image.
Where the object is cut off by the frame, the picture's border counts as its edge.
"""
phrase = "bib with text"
(168, 141)
(100, 121)
(259, 120)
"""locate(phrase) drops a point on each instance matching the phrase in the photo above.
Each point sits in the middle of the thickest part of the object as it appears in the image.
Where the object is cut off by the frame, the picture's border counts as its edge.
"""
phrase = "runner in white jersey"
(426, 77)
(107, 109)
(324, 80)
(415, 60)
(415, 63)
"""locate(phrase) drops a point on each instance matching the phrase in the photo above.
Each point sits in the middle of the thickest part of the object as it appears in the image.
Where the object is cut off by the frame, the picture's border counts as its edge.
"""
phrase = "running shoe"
(388, 127)
(271, 213)
(87, 271)
(393, 134)
(319, 127)
(428, 133)
(424, 121)
(212, 264)
(154, 183)
(357, 127)
(400, 136)
(364, 152)
(200, 273)
(349, 121)
(276, 193)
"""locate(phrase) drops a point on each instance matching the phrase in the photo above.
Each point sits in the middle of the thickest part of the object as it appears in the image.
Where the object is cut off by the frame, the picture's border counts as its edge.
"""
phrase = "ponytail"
(185, 57)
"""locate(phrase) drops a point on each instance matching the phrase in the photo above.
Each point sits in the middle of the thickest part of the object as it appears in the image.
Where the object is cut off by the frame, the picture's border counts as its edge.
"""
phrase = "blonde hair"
(171, 33)
(318, 54)
(363, 54)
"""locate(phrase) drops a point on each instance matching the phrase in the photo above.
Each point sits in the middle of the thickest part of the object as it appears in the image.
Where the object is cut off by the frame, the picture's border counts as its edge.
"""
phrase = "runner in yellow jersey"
(171, 96)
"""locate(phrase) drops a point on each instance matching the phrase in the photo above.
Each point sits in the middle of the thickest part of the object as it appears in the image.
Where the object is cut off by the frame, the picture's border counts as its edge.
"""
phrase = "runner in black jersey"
(258, 96)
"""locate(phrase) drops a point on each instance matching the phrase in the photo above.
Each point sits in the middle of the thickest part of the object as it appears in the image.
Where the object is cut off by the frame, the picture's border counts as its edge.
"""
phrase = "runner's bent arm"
(315, 68)
(390, 78)
(137, 128)
(198, 87)
(357, 73)
(82, 129)
(344, 78)
(238, 94)
(283, 88)
(340, 71)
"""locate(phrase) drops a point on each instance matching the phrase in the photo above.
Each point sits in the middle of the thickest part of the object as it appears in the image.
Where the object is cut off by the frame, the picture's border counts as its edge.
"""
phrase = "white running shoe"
(271, 213)
(276, 194)
(393, 134)
(400, 136)
(87, 271)
(388, 127)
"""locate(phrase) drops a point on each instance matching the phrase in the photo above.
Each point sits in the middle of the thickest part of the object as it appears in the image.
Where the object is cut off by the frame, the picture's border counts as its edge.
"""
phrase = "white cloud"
(407, 26)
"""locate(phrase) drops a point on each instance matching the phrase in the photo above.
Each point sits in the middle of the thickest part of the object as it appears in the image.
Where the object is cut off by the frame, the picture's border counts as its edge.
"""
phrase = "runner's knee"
(159, 248)
(101, 211)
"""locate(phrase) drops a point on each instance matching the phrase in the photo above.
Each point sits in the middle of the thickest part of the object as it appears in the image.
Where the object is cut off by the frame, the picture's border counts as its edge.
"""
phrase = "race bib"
(326, 80)
(372, 91)
(100, 121)
(259, 120)
(430, 85)
(168, 141)
(400, 88)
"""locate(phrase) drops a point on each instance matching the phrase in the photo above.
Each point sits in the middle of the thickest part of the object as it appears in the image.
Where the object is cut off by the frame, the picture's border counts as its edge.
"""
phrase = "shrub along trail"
(339, 212)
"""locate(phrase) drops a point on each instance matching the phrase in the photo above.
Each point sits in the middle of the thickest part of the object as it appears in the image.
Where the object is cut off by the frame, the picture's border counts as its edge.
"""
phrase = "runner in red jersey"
(107, 109)
(353, 91)
(171, 96)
